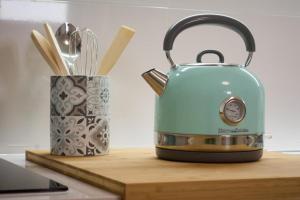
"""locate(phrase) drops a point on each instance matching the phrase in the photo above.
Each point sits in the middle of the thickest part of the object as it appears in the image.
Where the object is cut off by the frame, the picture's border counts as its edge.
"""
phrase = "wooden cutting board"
(138, 174)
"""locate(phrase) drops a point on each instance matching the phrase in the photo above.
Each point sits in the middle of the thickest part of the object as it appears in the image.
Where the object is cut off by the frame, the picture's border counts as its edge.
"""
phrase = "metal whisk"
(86, 64)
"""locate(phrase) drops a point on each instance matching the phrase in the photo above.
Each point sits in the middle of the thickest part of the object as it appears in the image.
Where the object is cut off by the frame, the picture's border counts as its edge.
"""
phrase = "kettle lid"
(221, 62)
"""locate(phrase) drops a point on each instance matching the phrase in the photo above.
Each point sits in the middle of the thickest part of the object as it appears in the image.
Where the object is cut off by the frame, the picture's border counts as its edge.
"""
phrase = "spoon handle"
(114, 52)
(43, 46)
(56, 50)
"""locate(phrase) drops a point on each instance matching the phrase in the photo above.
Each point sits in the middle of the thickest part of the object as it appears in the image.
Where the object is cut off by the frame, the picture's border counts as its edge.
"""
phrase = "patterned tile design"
(97, 97)
(79, 123)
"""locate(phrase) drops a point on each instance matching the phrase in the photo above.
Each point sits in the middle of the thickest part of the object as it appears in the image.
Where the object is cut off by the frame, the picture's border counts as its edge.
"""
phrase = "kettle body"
(208, 112)
(193, 99)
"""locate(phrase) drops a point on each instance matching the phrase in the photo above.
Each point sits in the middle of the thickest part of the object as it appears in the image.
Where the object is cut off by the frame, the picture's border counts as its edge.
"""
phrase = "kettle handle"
(221, 20)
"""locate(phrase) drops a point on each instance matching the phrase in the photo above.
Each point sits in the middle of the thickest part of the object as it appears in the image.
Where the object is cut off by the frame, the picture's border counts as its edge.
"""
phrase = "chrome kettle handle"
(221, 20)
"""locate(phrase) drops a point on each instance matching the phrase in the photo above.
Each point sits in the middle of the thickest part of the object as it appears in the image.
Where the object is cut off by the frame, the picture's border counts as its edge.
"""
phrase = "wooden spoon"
(44, 48)
(56, 50)
(114, 52)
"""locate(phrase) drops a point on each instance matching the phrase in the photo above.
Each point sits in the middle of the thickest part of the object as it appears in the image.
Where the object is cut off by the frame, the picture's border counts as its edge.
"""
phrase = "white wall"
(24, 75)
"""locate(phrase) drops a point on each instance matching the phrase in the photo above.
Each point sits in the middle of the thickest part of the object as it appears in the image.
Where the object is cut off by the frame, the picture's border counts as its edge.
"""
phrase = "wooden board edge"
(107, 184)
(254, 189)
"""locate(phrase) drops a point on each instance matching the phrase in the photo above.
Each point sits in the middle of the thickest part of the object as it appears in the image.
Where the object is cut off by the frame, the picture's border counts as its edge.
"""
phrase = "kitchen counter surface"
(77, 189)
(136, 173)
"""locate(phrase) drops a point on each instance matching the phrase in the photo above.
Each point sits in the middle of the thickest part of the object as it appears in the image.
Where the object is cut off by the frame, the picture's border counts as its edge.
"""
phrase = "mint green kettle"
(208, 112)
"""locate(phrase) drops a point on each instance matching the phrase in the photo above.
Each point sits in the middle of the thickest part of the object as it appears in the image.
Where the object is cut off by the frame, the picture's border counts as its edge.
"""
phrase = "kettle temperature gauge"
(232, 110)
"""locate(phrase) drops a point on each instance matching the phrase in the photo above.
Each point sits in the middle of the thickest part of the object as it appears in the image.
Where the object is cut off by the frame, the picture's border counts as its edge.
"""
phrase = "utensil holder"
(79, 115)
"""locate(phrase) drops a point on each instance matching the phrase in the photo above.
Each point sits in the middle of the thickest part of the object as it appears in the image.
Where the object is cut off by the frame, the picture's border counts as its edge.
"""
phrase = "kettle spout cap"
(157, 80)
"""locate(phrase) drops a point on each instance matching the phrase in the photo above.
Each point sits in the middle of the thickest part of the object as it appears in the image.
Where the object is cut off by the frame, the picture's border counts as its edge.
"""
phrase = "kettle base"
(209, 157)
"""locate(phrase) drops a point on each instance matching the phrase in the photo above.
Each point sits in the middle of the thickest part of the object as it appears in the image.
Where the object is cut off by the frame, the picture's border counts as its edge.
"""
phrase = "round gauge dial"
(233, 111)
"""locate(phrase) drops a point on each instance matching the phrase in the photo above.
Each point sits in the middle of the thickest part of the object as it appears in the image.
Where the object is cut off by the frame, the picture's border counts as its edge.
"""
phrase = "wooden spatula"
(56, 50)
(114, 52)
(44, 48)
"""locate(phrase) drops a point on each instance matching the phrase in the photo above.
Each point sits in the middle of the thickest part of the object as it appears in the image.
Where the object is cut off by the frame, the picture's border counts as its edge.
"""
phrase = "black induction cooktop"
(16, 179)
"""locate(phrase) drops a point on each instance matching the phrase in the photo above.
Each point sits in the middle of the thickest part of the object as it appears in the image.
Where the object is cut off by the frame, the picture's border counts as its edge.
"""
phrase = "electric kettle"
(208, 112)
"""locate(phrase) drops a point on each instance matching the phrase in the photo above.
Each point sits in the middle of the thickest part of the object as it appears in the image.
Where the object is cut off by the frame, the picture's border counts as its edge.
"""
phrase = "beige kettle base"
(209, 157)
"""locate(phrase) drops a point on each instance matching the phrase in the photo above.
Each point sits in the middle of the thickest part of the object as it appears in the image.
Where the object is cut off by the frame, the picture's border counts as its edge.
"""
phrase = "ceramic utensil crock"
(79, 121)
(208, 112)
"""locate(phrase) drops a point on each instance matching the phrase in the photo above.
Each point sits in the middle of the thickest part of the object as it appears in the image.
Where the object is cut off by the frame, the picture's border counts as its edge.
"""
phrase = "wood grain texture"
(138, 174)
(44, 48)
(56, 50)
(115, 50)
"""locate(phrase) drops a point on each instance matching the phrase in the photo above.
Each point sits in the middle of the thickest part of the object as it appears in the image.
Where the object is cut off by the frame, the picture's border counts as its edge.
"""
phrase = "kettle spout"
(156, 80)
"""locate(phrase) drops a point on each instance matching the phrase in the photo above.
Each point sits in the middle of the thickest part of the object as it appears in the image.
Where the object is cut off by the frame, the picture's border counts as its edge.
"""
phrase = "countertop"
(136, 173)
(77, 189)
